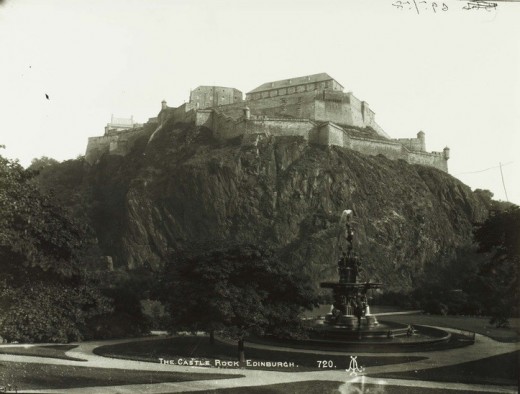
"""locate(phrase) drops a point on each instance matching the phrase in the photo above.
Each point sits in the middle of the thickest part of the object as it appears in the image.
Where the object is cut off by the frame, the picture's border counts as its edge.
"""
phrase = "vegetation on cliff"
(43, 292)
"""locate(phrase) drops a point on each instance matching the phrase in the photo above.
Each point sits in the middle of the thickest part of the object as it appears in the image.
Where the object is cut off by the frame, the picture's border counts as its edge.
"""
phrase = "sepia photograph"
(278, 196)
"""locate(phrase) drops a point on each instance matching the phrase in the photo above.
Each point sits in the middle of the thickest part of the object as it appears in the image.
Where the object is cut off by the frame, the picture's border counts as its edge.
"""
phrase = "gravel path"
(483, 347)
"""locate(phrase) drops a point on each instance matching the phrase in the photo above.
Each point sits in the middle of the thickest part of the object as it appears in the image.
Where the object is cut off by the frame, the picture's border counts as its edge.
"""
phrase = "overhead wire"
(486, 169)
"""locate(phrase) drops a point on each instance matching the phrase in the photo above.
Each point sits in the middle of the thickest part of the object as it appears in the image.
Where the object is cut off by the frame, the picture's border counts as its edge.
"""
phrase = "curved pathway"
(483, 347)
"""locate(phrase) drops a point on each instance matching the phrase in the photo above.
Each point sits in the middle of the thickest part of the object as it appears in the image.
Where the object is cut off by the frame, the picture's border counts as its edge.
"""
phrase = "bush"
(48, 312)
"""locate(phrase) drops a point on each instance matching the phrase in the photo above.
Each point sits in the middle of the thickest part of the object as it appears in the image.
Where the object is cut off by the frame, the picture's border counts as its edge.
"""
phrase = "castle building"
(317, 97)
(309, 83)
(213, 96)
(120, 124)
(313, 107)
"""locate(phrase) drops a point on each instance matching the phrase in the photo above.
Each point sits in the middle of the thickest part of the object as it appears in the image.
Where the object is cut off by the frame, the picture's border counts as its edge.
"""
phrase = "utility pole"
(503, 183)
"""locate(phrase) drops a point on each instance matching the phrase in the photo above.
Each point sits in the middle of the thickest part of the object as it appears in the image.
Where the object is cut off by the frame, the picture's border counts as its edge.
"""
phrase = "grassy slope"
(53, 351)
(42, 376)
(502, 369)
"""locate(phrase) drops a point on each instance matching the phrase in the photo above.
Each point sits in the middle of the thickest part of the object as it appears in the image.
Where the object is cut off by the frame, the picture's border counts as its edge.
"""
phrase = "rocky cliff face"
(184, 190)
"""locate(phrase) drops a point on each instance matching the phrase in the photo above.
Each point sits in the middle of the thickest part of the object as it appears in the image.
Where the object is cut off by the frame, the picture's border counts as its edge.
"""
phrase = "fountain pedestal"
(350, 310)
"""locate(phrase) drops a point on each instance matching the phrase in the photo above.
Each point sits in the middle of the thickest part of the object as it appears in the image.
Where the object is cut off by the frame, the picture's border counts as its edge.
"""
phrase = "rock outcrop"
(184, 190)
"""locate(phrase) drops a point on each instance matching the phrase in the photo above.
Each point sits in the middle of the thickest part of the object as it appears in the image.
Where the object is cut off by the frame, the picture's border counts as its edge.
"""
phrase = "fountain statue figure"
(350, 308)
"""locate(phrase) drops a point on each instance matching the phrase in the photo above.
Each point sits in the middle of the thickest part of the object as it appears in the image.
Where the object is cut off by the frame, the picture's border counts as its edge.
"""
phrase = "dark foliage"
(43, 292)
(499, 237)
(239, 290)
(482, 279)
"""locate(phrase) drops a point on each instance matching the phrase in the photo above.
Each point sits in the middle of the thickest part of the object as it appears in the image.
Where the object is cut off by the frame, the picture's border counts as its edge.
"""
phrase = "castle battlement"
(313, 107)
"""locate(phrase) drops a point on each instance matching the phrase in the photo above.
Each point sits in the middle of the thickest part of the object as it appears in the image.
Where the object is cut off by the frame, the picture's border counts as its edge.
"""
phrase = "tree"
(42, 162)
(240, 291)
(43, 292)
(499, 236)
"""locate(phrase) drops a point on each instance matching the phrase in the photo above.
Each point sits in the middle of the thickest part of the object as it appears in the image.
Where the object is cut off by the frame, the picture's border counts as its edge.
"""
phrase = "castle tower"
(163, 104)
(365, 112)
(446, 152)
(422, 140)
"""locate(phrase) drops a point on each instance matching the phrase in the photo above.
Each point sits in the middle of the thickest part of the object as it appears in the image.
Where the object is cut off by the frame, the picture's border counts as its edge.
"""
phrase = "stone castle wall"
(114, 143)
(97, 147)
(415, 144)
(226, 127)
(328, 133)
(431, 159)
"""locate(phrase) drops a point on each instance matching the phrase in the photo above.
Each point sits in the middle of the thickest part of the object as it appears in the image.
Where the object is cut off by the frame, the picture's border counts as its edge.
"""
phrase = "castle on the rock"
(313, 107)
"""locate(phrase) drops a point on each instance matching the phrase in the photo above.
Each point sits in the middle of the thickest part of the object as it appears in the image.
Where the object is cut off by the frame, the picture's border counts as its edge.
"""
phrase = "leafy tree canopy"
(34, 231)
(241, 290)
(43, 295)
(39, 163)
(499, 236)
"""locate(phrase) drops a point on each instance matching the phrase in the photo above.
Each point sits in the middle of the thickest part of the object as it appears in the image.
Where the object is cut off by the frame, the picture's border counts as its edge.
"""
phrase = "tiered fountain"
(350, 313)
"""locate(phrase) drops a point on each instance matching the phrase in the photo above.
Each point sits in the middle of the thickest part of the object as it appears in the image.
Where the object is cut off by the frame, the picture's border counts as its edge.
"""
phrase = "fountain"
(350, 316)
(350, 310)
(349, 325)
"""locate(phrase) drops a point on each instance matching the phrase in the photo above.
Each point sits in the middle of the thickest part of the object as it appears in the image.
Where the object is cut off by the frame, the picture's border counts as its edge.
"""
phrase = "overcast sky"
(452, 73)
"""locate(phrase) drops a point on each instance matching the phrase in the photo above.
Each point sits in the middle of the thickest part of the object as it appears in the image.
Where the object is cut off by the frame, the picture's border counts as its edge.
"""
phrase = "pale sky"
(452, 73)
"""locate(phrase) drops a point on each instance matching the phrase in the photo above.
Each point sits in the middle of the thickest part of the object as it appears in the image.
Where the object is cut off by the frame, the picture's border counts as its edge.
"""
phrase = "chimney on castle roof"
(163, 104)
(247, 113)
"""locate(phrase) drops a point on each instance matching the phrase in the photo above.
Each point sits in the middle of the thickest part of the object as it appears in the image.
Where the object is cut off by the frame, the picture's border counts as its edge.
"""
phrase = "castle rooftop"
(322, 77)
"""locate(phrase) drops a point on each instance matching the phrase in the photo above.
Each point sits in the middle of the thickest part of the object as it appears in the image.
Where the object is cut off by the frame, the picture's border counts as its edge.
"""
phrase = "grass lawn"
(479, 325)
(199, 348)
(309, 387)
(324, 387)
(27, 376)
(51, 351)
(502, 369)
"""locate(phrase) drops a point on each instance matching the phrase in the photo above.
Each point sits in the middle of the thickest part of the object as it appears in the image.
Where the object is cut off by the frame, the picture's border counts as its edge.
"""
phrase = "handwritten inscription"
(479, 5)
(420, 6)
